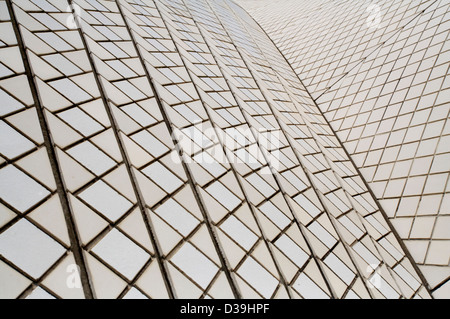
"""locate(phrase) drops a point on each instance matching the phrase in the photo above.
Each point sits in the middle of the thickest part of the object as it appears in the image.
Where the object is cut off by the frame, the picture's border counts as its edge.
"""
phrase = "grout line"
(208, 222)
(251, 206)
(307, 174)
(380, 208)
(49, 145)
(115, 128)
(282, 191)
(383, 212)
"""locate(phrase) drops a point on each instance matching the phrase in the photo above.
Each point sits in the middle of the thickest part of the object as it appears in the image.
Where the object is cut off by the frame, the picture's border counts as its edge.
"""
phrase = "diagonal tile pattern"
(166, 149)
(378, 72)
(34, 239)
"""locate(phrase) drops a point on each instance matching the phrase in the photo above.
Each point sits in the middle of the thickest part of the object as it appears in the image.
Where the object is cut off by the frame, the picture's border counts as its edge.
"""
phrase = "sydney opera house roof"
(224, 149)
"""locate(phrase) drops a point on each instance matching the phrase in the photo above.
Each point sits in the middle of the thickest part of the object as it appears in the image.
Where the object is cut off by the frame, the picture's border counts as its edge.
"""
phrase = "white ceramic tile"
(308, 289)
(9, 104)
(163, 177)
(121, 253)
(339, 268)
(306, 204)
(209, 163)
(62, 64)
(29, 248)
(258, 277)
(12, 143)
(366, 254)
(106, 200)
(70, 90)
(138, 114)
(19, 190)
(239, 232)
(40, 294)
(407, 277)
(261, 185)
(54, 41)
(134, 294)
(80, 121)
(274, 214)
(292, 250)
(92, 158)
(174, 214)
(195, 265)
(150, 143)
(322, 234)
(223, 195)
